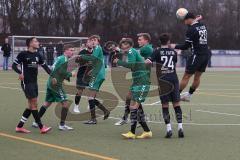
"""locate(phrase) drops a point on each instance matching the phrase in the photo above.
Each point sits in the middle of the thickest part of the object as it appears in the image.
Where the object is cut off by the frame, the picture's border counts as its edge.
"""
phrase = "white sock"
(180, 126)
(169, 127)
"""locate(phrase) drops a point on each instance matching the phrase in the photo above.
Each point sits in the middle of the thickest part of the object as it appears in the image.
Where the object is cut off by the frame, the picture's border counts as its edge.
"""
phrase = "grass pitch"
(211, 125)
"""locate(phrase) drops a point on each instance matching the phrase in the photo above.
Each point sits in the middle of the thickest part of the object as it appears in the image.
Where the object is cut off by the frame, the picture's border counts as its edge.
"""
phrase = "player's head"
(89, 44)
(6, 40)
(95, 40)
(32, 43)
(126, 44)
(189, 18)
(68, 50)
(165, 39)
(143, 39)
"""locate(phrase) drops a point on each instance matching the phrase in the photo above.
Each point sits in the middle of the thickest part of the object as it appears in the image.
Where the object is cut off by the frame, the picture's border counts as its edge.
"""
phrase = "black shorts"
(174, 95)
(197, 63)
(30, 90)
(81, 83)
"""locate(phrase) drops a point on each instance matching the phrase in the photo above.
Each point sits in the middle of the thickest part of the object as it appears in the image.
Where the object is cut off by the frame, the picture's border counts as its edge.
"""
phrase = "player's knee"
(187, 76)
(165, 105)
(175, 104)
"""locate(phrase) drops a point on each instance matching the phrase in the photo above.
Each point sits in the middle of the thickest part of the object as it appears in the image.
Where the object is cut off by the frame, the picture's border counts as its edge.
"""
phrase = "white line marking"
(191, 124)
(219, 113)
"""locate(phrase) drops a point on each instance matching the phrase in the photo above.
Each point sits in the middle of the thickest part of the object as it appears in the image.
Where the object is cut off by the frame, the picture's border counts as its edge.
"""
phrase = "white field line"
(191, 124)
(218, 113)
(151, 104)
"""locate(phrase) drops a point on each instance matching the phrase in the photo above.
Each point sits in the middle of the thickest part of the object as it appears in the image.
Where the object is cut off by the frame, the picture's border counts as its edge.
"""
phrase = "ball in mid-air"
(181, 13)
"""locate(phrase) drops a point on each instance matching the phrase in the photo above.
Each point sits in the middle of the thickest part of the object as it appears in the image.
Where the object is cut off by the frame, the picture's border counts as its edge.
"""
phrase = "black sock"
(64, 113)
(127, 109)
(166, 115)
(91, 103)
(141, 119)
(37, 118)
(178, 112)
(24, 118)
(42, 111)
(191, 90)
(133, 117)
(77, 99)
(100, 106)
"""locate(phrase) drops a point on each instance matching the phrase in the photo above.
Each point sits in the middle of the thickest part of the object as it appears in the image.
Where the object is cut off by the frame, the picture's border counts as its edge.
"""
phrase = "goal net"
(51, 47)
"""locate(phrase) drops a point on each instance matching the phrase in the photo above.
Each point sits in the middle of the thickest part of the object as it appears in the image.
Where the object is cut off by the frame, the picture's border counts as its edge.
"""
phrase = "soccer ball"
(181, 13)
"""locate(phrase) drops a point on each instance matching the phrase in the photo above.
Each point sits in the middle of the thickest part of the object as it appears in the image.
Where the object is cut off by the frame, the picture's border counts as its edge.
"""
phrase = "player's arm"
(44, 65)
(152, 58)
(124, 64)
(188, 41)
(17, 61)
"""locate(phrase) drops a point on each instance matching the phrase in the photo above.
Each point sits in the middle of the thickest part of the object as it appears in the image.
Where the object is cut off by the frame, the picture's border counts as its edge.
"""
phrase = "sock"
(24, 118)
(191, 90)
(77, 99)
(37, 118)
(100, 106)
(133, 117)
(166, 116)
(64, 113)
(42, 111)
(127, 109)
(178, 113)
(141, 119)
(169, 127)
(180, 126)
(92, 108)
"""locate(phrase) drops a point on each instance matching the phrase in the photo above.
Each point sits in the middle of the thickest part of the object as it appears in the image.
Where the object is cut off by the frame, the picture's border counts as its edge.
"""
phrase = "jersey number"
(203, 36)
(167, 62)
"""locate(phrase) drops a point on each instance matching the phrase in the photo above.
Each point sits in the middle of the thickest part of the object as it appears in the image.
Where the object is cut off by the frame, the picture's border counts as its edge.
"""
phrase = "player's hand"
(89, 72)
(148, 61)
(115, 60)
(78, 59)
(199, 17)
(172, 46)
(117, 49)
(21, 77)
(54, 81)
(74, 74)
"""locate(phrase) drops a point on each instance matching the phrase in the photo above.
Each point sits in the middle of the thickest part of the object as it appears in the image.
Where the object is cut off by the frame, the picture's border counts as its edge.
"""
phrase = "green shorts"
(57, 95)
(95, 84)
(139, 93)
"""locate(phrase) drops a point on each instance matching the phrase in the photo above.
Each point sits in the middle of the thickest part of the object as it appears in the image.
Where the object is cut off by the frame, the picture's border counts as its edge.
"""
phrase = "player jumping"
(166, 60)
(196, 37)
(55, 91)
(29, 61)
(139, 89)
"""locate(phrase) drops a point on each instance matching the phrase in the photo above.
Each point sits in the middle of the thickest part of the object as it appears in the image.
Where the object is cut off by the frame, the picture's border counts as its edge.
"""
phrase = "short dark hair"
(164, 38)
(29, 40)
(67, 46)
(189, 15)
(95, 36)
(126, 41)
(146, 36)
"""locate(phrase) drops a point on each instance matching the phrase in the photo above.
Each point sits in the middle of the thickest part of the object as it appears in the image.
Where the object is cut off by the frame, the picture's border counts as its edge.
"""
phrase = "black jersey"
(196, 38)
(29, 62)
(83, 64)
(165, 59)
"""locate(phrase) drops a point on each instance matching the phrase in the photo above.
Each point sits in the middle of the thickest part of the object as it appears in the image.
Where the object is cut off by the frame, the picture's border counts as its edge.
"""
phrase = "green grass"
(212, 126)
